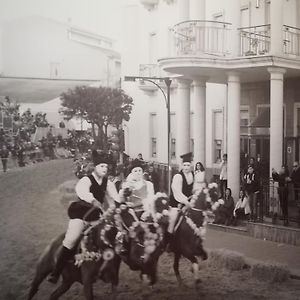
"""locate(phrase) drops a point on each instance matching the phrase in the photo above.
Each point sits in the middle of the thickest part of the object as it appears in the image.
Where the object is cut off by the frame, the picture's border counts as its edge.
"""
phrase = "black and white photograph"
(150, 149)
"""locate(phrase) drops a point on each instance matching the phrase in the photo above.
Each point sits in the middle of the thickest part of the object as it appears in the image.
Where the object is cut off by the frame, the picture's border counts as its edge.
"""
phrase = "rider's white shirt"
(82, 190)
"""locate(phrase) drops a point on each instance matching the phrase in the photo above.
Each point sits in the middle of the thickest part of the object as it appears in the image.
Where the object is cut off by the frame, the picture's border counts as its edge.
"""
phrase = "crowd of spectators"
(18, 150)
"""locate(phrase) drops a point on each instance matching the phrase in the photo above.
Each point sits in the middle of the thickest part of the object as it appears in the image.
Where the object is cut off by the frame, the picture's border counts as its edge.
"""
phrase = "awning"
(262, 120)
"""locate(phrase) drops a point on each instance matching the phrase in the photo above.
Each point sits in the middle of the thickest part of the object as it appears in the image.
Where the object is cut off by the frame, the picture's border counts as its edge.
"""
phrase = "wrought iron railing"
(255, 40)
(291, 40)
(199, 37)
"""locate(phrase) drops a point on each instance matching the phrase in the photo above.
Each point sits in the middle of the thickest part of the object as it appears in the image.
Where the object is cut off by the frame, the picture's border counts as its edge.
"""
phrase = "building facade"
(235, 68)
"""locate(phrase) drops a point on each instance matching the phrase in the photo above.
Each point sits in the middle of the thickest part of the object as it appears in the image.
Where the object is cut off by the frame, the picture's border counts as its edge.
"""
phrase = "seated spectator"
(224, 213)
(242, 208)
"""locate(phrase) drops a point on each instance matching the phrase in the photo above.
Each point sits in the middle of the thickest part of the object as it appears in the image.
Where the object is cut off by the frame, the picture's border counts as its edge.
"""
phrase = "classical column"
(199, 99)
(197, 9)
(183, 10)
(233, 126)
(233, 16)
(276, 117)
(276, 18)
(183, 118)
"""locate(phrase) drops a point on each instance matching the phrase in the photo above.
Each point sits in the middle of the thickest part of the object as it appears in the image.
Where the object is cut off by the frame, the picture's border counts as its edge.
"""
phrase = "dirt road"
(31, 214)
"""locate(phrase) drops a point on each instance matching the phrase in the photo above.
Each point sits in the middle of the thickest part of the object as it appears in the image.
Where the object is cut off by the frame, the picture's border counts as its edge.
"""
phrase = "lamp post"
(168, 82)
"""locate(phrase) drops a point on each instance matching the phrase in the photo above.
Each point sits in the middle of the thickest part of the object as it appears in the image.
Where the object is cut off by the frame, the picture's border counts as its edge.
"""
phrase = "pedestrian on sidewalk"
(283, 180)
(4, 157)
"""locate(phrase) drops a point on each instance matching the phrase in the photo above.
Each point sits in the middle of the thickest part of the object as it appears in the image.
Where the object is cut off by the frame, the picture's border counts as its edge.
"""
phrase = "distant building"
(40, 58)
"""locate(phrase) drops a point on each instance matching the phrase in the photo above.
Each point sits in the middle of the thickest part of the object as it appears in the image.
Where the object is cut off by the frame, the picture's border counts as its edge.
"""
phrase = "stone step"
(266, 231)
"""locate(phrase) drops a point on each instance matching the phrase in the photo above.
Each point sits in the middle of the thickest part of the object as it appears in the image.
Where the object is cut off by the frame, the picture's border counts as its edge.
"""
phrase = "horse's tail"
(45, 265)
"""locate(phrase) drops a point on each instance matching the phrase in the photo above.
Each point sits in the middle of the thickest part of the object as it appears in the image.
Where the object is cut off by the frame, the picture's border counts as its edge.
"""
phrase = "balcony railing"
(255, 40)
(198, 37)
(291, 40)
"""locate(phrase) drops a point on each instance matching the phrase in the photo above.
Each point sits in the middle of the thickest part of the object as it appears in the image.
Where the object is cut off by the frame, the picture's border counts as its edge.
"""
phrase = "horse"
(190, 229)
(144, 237)
(94, 257)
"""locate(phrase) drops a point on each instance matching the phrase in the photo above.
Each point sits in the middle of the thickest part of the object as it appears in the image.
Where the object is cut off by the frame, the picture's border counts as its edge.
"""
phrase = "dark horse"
(190, 230)
(95, 258)
(144, 237)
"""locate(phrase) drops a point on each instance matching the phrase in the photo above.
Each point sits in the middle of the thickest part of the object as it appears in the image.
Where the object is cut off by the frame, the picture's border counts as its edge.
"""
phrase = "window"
(217, 134)
(173, 148)
(153, 134)
(152, 48)
(192, 145)
(153, 147)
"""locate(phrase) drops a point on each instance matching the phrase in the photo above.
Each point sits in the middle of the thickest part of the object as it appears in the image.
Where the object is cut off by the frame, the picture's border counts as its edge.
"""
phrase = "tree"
(100, 106)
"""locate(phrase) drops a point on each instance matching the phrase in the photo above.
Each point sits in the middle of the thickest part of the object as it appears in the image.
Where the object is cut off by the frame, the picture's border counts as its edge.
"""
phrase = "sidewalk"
(255, 249)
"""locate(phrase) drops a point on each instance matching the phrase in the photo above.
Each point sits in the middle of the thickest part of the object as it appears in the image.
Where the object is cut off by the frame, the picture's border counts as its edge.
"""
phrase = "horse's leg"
(195, 268)
(176, 267)
(64, 286)
(38, 279)
(89, 272)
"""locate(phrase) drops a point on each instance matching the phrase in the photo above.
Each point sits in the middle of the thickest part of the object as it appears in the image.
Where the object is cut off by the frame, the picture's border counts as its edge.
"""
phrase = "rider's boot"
(168, 241)
(62, 258)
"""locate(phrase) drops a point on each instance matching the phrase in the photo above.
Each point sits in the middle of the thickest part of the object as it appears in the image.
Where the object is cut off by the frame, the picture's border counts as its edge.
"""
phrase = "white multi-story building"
(236, 69)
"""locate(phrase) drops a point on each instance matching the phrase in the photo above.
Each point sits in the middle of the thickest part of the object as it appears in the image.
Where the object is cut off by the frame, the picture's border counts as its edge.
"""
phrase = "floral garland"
(151, 240)
(85, 254)
(207, 214)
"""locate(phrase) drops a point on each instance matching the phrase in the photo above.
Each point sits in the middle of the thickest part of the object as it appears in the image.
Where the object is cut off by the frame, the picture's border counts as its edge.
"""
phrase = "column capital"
(276, 73)
(183, 82)
(233, 76)
(199, 81)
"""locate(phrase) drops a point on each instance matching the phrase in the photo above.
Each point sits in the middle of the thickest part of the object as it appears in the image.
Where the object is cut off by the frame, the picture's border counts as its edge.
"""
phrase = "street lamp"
(168, 82)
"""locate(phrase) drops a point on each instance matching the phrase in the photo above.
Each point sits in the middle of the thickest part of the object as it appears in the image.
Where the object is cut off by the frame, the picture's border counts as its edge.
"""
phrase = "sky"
(99, 16)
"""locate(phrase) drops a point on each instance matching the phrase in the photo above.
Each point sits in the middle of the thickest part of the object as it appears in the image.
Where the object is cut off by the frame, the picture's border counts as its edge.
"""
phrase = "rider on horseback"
(141, 192)
(181, 190)
(91, 191)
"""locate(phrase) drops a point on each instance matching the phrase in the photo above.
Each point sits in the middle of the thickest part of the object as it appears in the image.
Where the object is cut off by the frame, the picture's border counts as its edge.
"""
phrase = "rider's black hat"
(187, 157)
(136, 163)
(101, 158)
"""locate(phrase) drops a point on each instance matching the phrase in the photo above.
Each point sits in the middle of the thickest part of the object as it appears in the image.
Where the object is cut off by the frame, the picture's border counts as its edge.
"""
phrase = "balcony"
(255, 40)
(210, 49)
(291, 40)
(199, 37)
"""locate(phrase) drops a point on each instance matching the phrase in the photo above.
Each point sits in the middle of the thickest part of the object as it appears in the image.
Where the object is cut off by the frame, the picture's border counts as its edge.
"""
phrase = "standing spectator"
(199, 176)
(21, 155)
(140, 157)
(251, 186)
(295, 177)
(223, 175)
(153, 176)
(4, 157)
(13, 151)
(283, 179)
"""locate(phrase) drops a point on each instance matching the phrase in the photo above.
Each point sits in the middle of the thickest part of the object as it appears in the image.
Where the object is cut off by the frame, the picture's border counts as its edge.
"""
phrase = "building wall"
(42, 49)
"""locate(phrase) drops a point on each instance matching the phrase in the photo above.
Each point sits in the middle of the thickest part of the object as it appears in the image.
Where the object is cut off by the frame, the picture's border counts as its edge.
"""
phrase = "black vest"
(97, 190)
(78, 209)
(187, 190)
